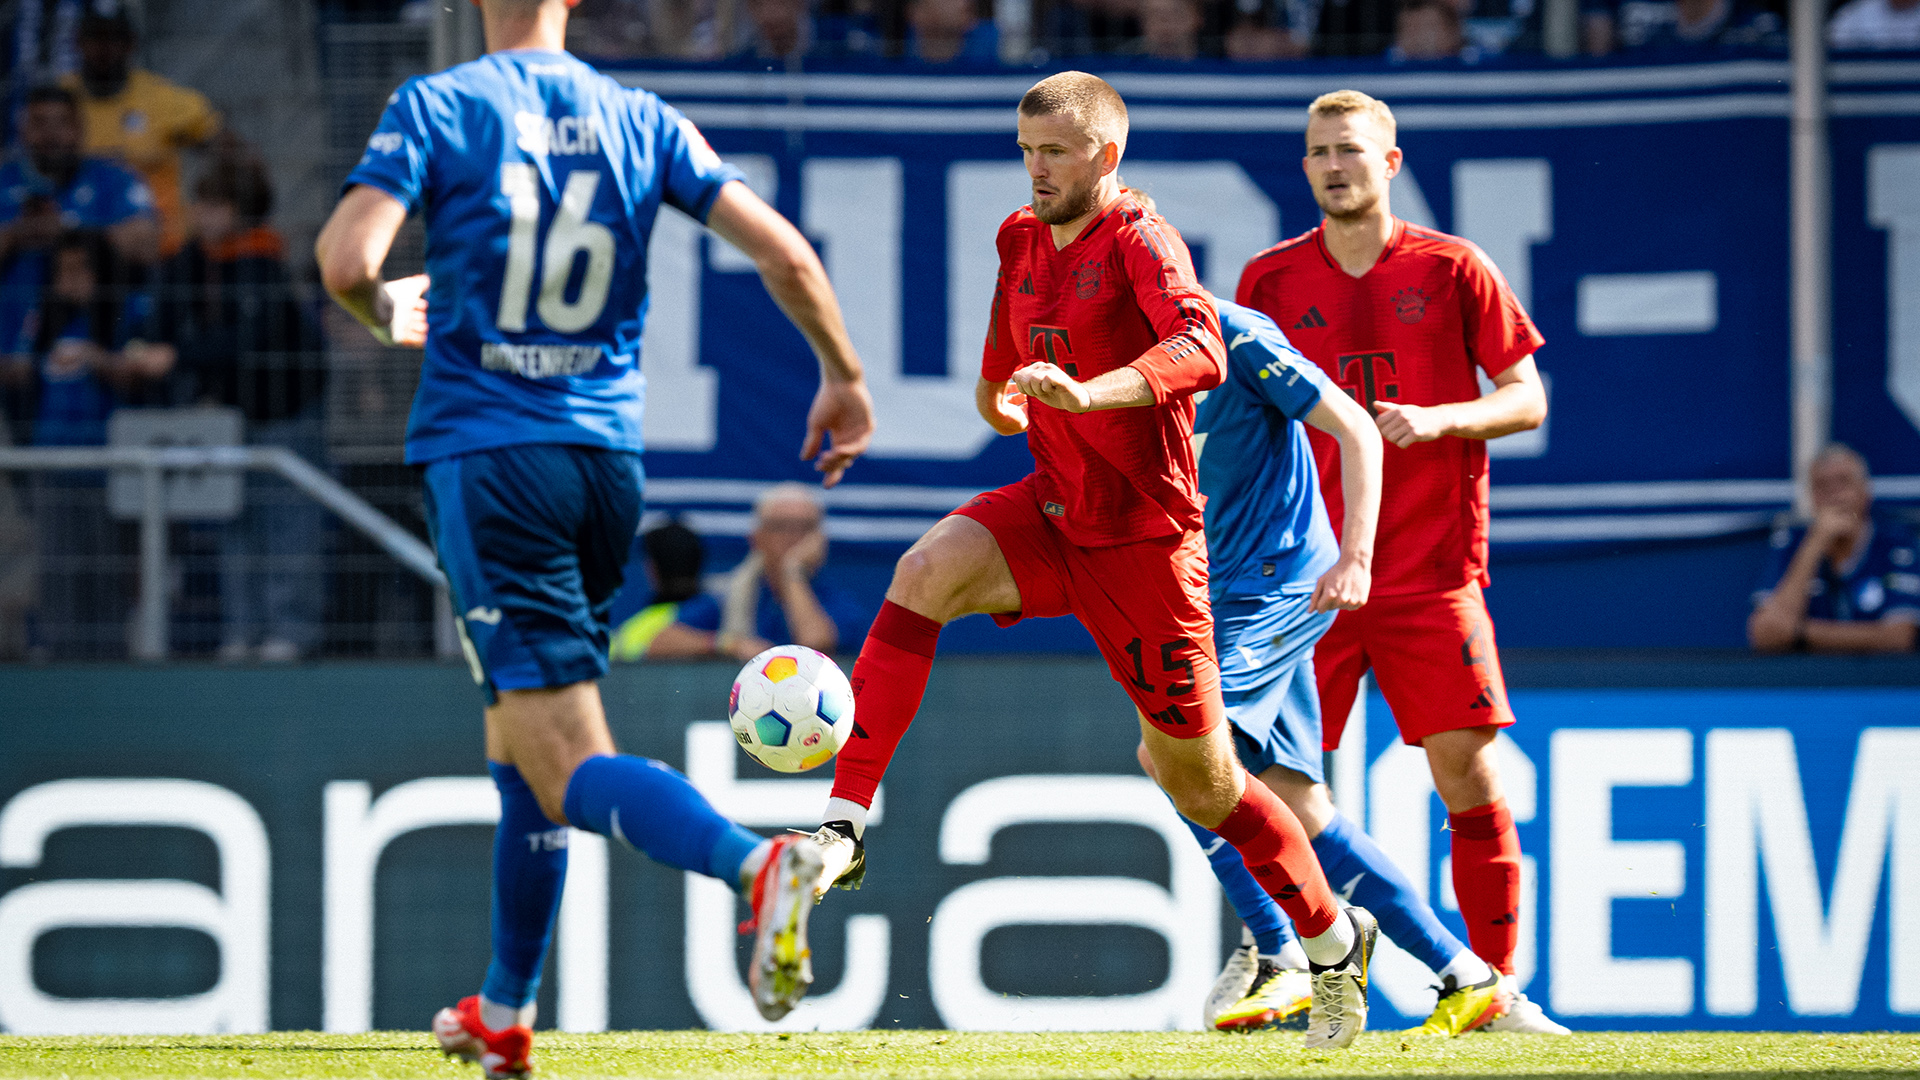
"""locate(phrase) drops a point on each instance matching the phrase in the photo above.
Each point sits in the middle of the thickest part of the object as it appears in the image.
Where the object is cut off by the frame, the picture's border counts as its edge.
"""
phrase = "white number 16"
(570, 234)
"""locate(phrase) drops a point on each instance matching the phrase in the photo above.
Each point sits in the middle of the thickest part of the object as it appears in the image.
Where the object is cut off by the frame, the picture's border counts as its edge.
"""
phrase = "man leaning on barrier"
(1846, 582)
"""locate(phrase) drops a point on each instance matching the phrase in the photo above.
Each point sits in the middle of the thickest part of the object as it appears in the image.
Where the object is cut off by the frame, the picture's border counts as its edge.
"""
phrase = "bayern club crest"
(1086, 279)
(1410, 305)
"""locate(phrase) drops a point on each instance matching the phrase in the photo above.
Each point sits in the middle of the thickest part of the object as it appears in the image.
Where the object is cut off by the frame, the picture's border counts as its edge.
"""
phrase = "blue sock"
(529, 867)
(659, 812)
(1271, 930)
(1358, 869)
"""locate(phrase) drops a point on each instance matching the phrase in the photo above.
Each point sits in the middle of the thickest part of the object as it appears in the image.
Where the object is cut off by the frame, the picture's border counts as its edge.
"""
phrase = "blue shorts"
(534, 540)
(1265, 646)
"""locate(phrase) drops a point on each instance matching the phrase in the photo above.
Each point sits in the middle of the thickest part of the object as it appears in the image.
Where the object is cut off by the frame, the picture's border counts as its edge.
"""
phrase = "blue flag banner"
(1640, 212)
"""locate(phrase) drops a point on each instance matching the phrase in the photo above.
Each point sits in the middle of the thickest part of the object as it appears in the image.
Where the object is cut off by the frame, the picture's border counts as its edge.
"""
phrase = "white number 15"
(570, 234)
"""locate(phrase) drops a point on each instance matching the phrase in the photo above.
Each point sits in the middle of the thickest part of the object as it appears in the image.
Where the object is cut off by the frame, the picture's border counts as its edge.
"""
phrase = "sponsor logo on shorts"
(488, 615)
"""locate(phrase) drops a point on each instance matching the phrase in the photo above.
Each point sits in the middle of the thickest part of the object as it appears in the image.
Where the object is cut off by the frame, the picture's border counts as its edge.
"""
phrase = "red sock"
(1275, 847)
(1486, 879)
(888, 681)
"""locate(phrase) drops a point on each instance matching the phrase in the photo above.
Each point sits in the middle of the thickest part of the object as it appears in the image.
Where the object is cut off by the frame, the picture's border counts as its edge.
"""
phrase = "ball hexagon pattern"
(791, 708)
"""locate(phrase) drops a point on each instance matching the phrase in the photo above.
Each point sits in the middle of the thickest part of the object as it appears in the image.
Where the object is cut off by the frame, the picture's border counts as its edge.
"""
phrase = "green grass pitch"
(938, 1055)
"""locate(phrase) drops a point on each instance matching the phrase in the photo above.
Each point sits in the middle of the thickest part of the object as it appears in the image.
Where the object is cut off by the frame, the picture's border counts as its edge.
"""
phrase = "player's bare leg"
(546, 734)
(1486, 862)
(955, 569)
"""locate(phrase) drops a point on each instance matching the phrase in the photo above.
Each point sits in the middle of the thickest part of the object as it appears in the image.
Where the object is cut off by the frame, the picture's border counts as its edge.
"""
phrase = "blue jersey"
(100, 196)
(1882, 581)
(539, 178)
(1267, 530)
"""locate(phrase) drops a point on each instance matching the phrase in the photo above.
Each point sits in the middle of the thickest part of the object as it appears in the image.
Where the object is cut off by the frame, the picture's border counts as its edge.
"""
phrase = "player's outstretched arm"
(1346, 584)
(1121, 388)
(842, 412)
(1517, 402)
(352, 248)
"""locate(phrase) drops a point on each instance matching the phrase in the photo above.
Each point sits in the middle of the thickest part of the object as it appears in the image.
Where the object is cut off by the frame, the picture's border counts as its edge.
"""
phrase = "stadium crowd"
(941, 32)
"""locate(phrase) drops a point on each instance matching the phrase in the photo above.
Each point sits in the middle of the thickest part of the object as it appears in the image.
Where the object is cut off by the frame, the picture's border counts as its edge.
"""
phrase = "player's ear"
(1109, 158)
(1394, 160)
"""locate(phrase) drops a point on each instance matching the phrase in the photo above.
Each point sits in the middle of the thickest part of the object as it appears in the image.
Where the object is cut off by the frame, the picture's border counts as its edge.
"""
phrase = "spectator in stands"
(88, 360)
(675, 558)
(138, 117)
(1846, 583)
(943, 31)
(1876, 24)
(244, 342)
(1427, 30)
(774, 596)
(50, 186)
(1680, 25)
(1170, 29)
(779, 29)
(1087, 27)
(1271, 29)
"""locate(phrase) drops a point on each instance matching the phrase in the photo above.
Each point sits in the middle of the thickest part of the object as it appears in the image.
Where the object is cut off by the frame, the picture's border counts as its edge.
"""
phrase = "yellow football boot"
(1466, 1008)
(1277, 996)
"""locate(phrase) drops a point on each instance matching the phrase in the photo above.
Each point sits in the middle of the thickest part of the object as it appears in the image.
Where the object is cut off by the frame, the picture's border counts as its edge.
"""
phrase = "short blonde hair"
(1096, 108)
(789, 491)
(1345, 102)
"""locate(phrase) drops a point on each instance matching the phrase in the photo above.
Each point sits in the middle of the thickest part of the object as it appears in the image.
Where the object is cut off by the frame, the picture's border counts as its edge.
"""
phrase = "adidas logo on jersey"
(1026, 286)
(1312, 320)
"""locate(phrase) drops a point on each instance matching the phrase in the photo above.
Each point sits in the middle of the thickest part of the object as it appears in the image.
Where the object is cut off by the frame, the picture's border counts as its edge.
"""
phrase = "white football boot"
(783, 896)
(1234, 981)
(1523, 1017)
(843, 857)
(1340, 990)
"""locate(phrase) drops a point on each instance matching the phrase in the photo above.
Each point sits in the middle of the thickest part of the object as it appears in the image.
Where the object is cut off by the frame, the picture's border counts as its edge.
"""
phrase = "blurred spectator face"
(106, 52)
(214, 220)
(50, 130)
(940, 27)
(1428, 31)
(1064, 162)
(1249, 41)
(782, 524)
(1170, 29)
(1840, 484)
(1348, 164)
(778, 23)
(73, 280)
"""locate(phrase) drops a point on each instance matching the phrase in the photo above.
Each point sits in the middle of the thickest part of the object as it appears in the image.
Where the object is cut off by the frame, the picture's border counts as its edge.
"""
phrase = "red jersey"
(1412, 329)
(1123, 293)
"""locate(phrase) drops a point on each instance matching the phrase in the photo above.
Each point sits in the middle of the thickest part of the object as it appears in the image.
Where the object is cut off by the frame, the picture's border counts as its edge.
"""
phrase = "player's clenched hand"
(1344, 587)
(1404, 425)
(842, 417)
(1003, 407)
(1049, 385)
(407, 324)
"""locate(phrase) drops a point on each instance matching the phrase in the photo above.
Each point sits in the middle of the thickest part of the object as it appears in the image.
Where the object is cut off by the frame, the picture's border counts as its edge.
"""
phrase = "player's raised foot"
(843, 855)
(1466, 1008)
(784, 893)
(1277, 996)
(504, 1053)
(1340, 990)
(1523, 1017)
(1235, 979)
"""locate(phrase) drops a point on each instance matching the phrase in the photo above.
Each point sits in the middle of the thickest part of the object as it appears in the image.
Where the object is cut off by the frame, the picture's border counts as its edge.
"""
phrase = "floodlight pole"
(1812, 251)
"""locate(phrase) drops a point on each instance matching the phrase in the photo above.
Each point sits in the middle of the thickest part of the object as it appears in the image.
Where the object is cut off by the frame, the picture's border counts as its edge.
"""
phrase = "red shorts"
(1432, 654)
(1145, 604)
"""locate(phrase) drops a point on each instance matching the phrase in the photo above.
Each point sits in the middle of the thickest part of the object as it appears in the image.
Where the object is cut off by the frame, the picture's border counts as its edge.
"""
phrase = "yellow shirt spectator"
(146, 125)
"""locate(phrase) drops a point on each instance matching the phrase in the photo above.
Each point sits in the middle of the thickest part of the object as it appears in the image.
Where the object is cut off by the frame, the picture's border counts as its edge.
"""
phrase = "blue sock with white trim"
(657, 811)
(1271, 930)
(529, 868)
(1357, 869)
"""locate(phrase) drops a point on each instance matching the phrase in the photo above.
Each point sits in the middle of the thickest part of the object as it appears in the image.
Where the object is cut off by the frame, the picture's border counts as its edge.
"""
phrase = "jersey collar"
(1393, 244)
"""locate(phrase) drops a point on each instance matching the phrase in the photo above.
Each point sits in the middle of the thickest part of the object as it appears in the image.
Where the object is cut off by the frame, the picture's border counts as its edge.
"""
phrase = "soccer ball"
(791, 708)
